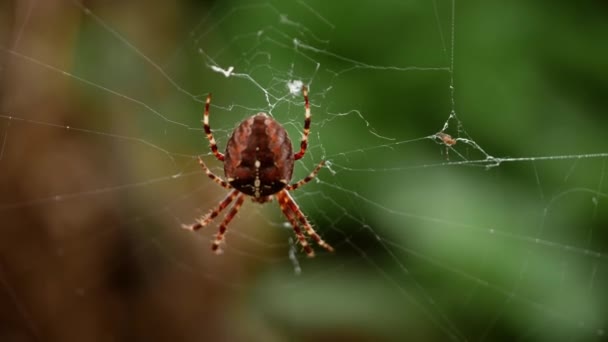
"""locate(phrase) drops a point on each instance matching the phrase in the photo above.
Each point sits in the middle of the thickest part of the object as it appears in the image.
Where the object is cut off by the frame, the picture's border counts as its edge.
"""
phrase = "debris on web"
(225, 72)
(295, 87)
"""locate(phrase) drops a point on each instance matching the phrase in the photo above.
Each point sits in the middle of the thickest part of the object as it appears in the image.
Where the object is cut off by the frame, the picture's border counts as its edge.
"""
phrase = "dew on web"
(464, 177)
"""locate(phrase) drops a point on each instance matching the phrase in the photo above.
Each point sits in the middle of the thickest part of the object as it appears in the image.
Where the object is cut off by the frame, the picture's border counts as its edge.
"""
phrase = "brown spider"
(258, 162)
(446, 139)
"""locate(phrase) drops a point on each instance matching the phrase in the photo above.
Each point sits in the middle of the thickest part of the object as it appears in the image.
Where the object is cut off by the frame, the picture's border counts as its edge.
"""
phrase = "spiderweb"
(464, 189)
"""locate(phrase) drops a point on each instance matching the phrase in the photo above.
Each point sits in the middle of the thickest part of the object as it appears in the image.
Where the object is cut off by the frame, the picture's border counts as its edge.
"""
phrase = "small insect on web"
(259, 162)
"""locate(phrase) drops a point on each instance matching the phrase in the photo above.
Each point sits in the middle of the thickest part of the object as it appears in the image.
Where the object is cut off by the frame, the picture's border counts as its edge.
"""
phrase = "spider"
(259, 162)
(446, 139)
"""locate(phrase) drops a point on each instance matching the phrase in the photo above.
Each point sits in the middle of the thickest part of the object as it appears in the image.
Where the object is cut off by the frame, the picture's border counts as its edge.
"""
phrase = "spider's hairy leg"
(304, 142)
(293, 206)
(207, 127)
(213, 177)
(308, 178)
(283, 203)
(222, 230)
(203, 221)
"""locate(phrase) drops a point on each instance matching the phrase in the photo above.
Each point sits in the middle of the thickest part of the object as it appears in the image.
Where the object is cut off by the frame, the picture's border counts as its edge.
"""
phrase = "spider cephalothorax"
(259, 163)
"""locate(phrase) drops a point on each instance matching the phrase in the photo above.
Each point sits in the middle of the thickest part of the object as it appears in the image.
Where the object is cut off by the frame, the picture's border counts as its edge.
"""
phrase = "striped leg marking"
(284, 204)
(308, 178)
(220, 234)
(304, 143)
(213, 177)
(205, 220)
(212, 142)
(304, 221)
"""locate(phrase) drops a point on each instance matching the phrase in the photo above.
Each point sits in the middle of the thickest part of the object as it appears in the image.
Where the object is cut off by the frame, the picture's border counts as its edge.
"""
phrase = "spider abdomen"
(259, 158)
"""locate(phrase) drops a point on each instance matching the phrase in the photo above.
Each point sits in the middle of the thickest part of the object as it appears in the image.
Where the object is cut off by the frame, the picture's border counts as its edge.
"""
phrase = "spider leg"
(213, 177)
(304, 143)
(286, 198)
(212, 142)
(308, 178)
(222, 230)
(284, 204)
(293, 206)
(203, 221)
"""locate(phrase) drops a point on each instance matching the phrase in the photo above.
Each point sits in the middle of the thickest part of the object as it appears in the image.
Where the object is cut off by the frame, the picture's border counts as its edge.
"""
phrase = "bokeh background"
(499, 237)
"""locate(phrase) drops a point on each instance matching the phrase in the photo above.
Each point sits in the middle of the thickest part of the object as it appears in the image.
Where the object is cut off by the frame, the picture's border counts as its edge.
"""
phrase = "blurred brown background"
(70, 270)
